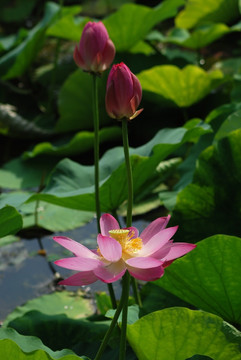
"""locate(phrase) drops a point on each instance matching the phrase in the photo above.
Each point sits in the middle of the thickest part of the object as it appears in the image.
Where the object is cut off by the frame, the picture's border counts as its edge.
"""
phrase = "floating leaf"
(196, 12)
(73, 305)
(208, 277)
(179, 333)
(184, 87)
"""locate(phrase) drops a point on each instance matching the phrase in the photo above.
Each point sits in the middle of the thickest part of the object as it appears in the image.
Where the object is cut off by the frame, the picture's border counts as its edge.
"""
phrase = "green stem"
(130, 196)
(96, 162)
(136, 292)
(112, 326)
(96, 147)
(128, 172)
(125, 294)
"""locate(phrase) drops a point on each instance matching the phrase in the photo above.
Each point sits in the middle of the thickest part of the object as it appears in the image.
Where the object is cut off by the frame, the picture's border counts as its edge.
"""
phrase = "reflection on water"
(25, 275)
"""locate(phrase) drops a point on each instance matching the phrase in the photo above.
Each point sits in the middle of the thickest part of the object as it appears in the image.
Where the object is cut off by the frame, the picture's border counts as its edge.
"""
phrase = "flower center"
(126, 238)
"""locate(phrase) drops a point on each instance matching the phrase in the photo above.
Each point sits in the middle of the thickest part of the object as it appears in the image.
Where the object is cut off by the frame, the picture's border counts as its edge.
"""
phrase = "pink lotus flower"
(95, 51)
(123, 93)
(145, 257)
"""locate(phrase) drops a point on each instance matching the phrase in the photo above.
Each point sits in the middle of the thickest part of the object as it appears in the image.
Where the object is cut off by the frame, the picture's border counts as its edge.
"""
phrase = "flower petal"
(133, 232)
(79, 279)
(108, 222)
(75, 247)
(111, 273)
(143, 262)
(78, 263)
(177, 250)
(146, 274)
(154, 227)
(157, 241)
(110, 248)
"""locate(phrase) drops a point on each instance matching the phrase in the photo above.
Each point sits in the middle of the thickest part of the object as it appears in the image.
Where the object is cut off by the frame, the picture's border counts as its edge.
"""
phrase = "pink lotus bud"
(123, 93)
(95, 51)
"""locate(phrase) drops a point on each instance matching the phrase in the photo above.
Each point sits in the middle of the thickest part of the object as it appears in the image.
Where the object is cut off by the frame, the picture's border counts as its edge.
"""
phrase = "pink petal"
(75, 247)
(78, 263)
(177, 250)
(79, 279)
(108, 222)
(133, 232)
(108, 54)
(110, 248)
(146, 274)
(111, 273)
(143, 262)
(154, 227)
(157, 241)
(78, 59)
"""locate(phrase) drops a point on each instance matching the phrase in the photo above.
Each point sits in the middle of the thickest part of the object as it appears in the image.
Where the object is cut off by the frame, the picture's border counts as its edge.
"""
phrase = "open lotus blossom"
(95, 51)
(144, 256)
(123, 93)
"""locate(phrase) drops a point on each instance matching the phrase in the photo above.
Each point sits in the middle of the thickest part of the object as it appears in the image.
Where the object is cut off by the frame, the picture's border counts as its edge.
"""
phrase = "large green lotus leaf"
(233, 122)
(61, 332)
(184, 86)
(54, 218)
(212, 203)
(67, 26)
(21, 174)
(16, 61)
(72, 185)
(200, 37)
(209, 277)
(73, 305)
(138, 21)
(198, 12)
(16, 346)
(75, 102)
(50, 217)
(10, 221)
(81, 142)
(179, 333)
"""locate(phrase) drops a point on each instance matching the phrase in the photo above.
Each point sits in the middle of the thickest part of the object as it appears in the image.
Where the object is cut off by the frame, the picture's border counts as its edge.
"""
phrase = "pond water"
(24, 274)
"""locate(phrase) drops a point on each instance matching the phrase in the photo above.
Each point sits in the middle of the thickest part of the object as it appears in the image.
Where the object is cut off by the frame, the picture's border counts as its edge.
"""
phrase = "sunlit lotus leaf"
(138, 21)
(179, 333)
(197, 12)
(200, 37)
(73, 305)
(184, 87)
(209, 277)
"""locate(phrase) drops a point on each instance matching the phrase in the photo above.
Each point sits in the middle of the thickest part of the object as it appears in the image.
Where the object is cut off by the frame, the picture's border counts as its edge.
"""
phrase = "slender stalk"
(128, 172)
(96, 147)
(125, 294)
(130, 196)
(136, 292)
(96, 162)
(111, 328)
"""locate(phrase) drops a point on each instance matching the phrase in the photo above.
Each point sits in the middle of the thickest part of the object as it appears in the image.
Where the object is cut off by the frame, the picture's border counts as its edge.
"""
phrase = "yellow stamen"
(126, 238)
(120, 234)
